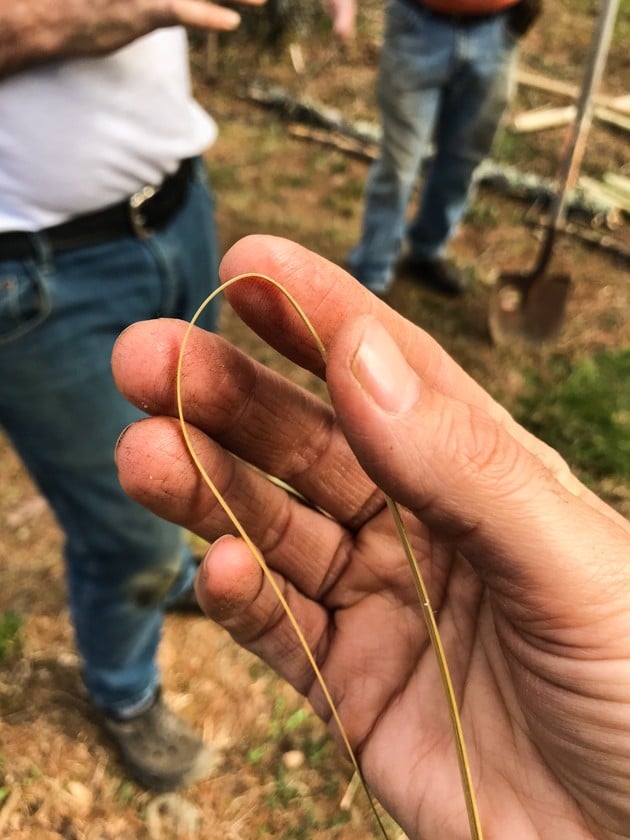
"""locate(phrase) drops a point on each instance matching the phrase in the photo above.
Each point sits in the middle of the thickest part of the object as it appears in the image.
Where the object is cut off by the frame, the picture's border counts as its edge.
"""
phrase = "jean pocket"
(405, 24)
(25, 300)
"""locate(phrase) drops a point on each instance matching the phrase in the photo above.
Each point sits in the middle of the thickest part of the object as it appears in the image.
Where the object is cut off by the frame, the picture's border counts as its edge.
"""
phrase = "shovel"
(530, 305)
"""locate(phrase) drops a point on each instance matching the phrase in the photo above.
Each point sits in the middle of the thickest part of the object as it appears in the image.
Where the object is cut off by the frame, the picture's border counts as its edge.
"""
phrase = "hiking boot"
(439, 274)
(186, 601)
(380, 288)
(159, 750)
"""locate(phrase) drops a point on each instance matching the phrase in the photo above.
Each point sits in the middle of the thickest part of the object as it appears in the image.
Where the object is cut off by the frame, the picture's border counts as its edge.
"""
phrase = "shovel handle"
(575, 142)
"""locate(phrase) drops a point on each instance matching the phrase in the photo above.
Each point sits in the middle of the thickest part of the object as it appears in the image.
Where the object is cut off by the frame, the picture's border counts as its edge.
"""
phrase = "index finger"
(330, 297)
(249, 410)
(212, 16)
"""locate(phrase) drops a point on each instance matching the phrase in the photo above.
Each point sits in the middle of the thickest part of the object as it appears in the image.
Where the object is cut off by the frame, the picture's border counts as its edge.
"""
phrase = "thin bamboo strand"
(252, 547)
(421, 590)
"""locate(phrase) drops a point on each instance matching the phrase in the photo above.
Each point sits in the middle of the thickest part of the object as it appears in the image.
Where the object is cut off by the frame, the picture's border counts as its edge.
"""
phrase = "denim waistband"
(455, 19)
(148, 209)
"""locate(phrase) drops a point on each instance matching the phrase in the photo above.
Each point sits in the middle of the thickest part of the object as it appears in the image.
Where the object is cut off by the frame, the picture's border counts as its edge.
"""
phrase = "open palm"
(526, 570)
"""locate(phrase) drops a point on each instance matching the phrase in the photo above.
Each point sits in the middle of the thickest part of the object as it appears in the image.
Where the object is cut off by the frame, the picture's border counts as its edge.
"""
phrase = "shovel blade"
(528, 307)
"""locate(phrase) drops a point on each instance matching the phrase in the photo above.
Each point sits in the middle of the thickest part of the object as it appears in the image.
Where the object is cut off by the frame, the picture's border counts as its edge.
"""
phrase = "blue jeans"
(59, 317)
(441, 82)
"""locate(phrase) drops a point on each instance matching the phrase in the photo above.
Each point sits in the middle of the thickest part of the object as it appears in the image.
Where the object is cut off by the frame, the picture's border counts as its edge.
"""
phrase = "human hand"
(527, 571)
(343, 14)
(41, 30)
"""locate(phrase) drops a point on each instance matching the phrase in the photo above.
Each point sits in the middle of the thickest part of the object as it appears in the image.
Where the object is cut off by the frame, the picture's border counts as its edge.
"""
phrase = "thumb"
(470, 481)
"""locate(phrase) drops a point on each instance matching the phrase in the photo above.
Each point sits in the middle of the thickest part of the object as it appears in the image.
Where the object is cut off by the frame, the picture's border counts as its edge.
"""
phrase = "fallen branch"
(529, 79)
(606, 192)
(611, 117)
(529, 187)
(619, 182)
(326, 125)
(540, 119)
(365, 151)
(312, 113)
(590, 236)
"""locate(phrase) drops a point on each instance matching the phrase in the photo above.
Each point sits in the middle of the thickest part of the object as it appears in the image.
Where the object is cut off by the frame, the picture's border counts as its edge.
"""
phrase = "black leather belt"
(149, 209)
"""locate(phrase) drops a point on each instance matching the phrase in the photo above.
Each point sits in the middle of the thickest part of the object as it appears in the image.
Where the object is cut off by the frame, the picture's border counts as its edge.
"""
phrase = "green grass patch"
(126, 792)
(10, 634)
(519, 150)
(583, 411)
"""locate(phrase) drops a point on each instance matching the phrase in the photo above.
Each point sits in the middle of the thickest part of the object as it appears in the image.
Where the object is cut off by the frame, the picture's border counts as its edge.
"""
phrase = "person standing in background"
(445, 78)
(106, 218)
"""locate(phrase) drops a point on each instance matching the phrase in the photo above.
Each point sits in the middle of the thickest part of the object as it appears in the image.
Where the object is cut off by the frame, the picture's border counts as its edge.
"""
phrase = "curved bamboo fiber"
(427, 611)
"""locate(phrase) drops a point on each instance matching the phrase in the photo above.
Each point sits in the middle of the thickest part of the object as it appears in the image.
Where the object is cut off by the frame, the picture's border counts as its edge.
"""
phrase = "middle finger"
(249, 410)
(298, 541)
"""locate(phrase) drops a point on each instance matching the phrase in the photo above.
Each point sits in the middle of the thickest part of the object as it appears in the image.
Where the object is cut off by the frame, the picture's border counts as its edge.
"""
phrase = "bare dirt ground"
(281, 776)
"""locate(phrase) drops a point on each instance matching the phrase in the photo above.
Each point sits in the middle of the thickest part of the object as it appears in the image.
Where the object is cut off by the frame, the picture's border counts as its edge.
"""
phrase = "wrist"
(29, 36)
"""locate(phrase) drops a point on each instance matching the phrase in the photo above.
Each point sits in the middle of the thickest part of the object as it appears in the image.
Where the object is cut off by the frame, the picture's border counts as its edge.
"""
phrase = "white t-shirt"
(79, 135)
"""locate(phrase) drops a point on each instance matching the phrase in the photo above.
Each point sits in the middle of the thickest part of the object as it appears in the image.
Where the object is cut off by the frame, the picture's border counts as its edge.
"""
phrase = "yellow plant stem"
(436, 643)
(429, 617)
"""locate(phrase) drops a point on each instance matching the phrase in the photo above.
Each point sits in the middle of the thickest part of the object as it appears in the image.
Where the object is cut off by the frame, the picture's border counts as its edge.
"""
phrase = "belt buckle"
(136, 202)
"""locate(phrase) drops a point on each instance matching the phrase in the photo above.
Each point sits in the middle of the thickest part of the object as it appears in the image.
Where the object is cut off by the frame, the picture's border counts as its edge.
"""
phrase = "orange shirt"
(467, 7)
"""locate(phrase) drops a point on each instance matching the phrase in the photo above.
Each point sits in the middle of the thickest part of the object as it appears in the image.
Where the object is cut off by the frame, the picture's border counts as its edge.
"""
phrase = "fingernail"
(382, 371)
(122, 434)
(231, 18)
